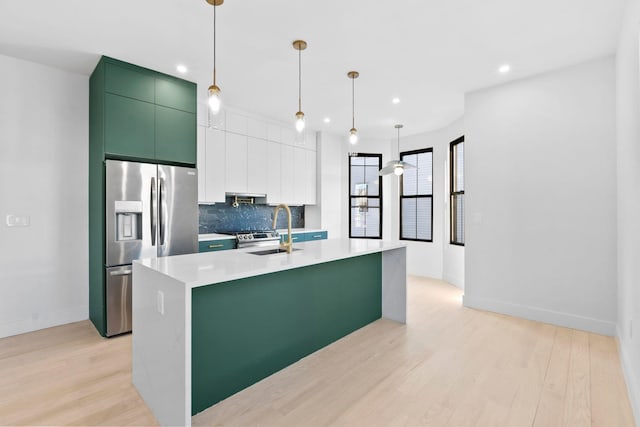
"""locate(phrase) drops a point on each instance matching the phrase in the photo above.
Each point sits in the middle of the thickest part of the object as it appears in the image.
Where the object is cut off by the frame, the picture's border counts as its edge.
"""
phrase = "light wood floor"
(449, 366)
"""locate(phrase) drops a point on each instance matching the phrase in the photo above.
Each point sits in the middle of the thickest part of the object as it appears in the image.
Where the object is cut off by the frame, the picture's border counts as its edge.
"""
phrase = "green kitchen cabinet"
(216, 245)
(304, 236)
(175, 93)
(316, 235)
(128, 80)
(148, 116)
(175, 132)
(129, 127)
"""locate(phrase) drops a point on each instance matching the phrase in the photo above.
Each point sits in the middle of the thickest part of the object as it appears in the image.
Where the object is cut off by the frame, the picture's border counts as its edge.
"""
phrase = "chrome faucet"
(289, 244)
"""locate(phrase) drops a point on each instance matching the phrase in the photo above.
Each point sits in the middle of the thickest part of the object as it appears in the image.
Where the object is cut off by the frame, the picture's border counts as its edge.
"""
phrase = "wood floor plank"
(448, 366)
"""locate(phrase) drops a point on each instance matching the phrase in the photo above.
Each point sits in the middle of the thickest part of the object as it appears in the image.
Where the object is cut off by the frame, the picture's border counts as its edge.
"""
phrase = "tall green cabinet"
(135, 114)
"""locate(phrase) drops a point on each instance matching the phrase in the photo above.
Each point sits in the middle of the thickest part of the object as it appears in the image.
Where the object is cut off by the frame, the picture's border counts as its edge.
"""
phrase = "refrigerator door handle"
(161, 202)
(154, 211)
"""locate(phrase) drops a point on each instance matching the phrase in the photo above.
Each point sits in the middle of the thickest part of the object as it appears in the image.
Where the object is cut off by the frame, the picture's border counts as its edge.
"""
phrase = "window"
(456, 166)
(416, 196)
(365, 196)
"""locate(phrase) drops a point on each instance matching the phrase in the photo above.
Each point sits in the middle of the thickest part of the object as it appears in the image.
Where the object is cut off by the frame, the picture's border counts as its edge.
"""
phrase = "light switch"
(18, 220)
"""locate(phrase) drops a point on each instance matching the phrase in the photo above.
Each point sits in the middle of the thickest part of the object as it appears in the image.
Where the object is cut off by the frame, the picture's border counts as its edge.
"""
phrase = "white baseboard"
(454, 280)
(43, 321)
(541, 315)
(633, 388)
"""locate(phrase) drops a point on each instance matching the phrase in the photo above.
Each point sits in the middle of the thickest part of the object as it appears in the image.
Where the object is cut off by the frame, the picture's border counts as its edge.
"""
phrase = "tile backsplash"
(220, 218)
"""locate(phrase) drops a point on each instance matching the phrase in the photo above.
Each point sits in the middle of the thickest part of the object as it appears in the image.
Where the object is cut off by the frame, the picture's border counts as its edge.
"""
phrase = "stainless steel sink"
(272, 251)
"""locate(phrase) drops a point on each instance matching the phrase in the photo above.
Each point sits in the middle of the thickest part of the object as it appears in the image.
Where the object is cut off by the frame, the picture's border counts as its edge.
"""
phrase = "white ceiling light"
(504, 68)
(181, 68)
(396, 166)
(353, 132)
(214, 90)
(327, 119)
(396, 100)
(299, 45)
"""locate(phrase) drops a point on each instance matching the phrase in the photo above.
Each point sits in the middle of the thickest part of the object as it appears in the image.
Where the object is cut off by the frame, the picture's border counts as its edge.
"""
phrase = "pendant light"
(396, 166)
(214, 90)
(299, 45)
(353, 133)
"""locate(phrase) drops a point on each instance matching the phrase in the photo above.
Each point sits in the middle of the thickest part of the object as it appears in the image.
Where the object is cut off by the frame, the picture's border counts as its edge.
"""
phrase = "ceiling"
(426, 52)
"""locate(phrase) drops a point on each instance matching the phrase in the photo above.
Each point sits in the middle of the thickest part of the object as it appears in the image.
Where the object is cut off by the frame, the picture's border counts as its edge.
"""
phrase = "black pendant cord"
(398, 143)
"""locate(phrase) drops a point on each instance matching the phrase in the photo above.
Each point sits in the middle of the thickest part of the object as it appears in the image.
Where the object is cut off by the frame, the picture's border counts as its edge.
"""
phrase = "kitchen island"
(207, 325)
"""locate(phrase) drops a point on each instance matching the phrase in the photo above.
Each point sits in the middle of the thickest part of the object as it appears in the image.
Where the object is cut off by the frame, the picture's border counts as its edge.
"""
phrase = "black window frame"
(379, 196)
(453, 194)
(417, 196)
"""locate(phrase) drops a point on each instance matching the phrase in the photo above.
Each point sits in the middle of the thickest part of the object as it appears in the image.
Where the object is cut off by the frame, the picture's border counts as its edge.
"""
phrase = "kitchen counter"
(207, 325)
(208, 268)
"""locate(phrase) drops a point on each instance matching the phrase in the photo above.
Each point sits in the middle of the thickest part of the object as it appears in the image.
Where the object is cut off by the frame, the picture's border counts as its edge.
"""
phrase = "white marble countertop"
(206, 268)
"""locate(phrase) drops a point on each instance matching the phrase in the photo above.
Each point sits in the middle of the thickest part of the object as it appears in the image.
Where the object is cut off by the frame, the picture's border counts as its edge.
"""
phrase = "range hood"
(237, 199)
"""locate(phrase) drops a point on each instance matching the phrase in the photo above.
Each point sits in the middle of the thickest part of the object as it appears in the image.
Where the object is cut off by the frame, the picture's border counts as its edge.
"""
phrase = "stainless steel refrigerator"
(151, 210)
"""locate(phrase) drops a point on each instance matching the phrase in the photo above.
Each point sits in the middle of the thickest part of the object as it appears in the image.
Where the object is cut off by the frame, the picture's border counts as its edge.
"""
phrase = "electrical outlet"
(18, 220)
(160, 302)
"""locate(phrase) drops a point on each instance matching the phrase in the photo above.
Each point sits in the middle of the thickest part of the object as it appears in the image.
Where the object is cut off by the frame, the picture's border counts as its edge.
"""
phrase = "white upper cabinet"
(248, 155)
(310, 177)
(274, 133)
(257, 171)
(236, 123)
(299, 171)
(256, 128)
(288, 136)
(214, 173)
(287, 174)
(274, 172)
(236, 163)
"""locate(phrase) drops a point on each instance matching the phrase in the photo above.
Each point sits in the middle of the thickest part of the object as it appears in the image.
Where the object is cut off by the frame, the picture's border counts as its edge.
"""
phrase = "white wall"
(333, 191)
(44, 175)
(541, 200)
(438, 259)
(327, 213)
(628, 127)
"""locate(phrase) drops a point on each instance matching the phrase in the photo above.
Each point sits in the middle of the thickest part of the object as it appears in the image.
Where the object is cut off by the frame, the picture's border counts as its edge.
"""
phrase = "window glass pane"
(365, 223)
(457, 229)
(371, 179)
(355, 160)
(365, 192)
(424, 173)
(410, 176)
(423, 218)
(370, 161)
(408, 218)
(357, 180)
(460, 167)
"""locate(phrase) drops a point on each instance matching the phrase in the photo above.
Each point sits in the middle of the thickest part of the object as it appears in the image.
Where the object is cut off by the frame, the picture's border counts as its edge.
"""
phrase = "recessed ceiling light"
(396, 100)
(181, 68)
(504, 68)
(327, 119)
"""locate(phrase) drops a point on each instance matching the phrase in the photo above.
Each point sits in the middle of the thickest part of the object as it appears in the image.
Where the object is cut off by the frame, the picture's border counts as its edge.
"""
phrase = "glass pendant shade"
(353, 136)
(300, 121)
(398, 170)
(214, 99)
